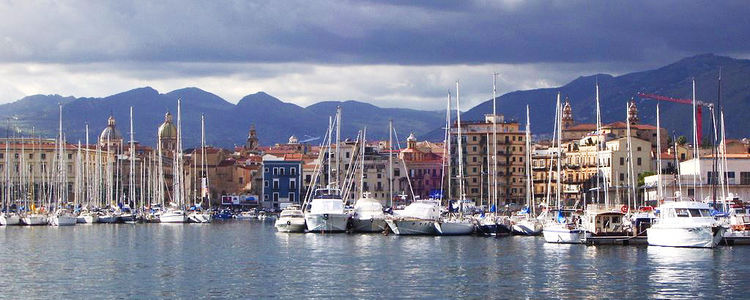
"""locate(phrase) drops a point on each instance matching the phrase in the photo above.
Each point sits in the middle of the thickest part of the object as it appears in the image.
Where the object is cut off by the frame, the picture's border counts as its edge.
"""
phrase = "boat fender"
(624, 209)
(325, 216)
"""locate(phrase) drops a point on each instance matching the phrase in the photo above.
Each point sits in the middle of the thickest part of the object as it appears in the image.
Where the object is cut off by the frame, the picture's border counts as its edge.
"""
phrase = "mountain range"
(227, 124)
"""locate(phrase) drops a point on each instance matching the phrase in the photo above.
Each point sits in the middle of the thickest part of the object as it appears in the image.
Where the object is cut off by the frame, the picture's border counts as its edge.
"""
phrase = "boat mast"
(362, 164)
(204, 177)
(447, 155)
(631, 168)
(338, 147)
(131, 179)
(493, 194)
(330, 153)
(529, 174)
(696, 154)
(460, 148)
(390, 161)
(489, 171)
(659, 191)
(559, 152)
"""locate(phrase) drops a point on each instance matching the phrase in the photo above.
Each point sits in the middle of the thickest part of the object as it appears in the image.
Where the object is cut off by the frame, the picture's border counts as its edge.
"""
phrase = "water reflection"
(251, 260)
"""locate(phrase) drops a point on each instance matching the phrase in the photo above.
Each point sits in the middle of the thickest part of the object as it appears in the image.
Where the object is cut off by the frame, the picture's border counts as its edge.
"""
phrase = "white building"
(692, 171)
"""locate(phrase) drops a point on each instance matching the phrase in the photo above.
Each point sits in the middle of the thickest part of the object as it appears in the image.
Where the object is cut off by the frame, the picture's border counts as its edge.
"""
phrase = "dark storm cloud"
(371, 32)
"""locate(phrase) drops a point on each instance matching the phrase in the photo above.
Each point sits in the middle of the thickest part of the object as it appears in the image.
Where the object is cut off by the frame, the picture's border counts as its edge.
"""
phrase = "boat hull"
(63, 220)
(326, 222)
(107, 219)
(290, 225)
(454, 228)
(412, 227)
(561, 235)
(693, 237)
(369, 225)
(10, 220)
(34, 220)
(172, 219)
(526, 227)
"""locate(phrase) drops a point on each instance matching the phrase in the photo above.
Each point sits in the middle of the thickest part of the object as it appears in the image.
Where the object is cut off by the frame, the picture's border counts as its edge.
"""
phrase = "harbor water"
(249, 259)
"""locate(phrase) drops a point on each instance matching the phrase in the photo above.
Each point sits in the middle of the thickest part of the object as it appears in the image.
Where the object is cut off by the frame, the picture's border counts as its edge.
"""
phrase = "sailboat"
(562, 227)
(326, 209)
(368, 212)
(199, 215)
(457, 223)
(175, 213)
(8, 217)
(61, 216)
(525, 222)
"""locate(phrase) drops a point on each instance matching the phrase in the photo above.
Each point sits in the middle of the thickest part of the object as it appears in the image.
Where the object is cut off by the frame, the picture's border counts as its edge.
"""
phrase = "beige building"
(478, 160)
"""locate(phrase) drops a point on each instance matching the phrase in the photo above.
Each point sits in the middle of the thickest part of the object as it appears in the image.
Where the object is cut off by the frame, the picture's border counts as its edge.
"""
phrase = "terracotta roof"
(581, 127)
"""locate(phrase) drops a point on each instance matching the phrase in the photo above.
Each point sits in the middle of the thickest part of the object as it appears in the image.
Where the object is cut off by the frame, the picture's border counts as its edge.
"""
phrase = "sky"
(388, 53)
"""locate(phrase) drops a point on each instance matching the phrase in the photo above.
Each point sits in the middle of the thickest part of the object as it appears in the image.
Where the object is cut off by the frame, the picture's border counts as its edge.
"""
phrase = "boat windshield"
(682, 212)
(697, 213)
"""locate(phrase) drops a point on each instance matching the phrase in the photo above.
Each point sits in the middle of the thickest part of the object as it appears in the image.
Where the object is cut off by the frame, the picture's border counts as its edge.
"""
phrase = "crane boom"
(698, 109)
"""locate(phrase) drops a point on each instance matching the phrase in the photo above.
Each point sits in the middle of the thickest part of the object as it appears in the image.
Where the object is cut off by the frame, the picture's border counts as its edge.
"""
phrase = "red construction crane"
(698, 109)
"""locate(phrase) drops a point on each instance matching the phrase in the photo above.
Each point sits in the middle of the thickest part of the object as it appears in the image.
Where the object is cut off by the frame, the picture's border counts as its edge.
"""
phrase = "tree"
(642, 177)
(681, 140)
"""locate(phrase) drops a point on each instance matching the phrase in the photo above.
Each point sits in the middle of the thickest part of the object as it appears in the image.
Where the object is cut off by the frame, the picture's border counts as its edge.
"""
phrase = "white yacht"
(455, 225)
(197, 217)
(246, 215)
(564, 229)
(418, 218)
(87, 217)
(8, 219)
(685, 224)
(326, 212)
(62, 217)
(173, 215)
(291, 219)
(34, 219)
(368, 215)
(524, 223)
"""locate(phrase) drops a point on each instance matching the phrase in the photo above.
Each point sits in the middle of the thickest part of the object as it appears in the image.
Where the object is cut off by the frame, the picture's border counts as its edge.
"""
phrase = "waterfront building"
(700, 172)
(575, 131)
(425, 167)
(282, 182)
(579, 168)
(478, 160)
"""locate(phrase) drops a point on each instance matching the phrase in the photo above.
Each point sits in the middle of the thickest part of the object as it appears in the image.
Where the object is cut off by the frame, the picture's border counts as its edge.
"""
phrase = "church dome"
(167, 129)
(110, 133)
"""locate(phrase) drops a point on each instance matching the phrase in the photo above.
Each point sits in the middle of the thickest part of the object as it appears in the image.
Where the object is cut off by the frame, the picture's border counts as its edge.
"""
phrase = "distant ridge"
(228, 124)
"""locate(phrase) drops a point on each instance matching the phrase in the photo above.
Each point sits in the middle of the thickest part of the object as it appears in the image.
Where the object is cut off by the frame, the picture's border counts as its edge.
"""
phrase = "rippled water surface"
(249, 260)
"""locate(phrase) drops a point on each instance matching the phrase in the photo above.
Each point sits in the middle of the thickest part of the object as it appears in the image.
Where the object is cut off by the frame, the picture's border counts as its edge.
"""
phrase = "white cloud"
(420, 87)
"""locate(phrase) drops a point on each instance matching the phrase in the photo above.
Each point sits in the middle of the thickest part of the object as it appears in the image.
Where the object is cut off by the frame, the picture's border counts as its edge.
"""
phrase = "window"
(16, 155)
(241, 180)
(265, 183)
(639, 160)
(265, 197)
(309, 177)
(2, 155)
(291, 197)
(744, 177)
(396, 172)
(293, 184)
(275, 184)
(293, 171)
(622, 177)
(265, 170)
(639, 148)
(347, 154)
(44, 155)
(474, 148)
(474, 138)
(70, 156)
(281, 171)
(474, 159)
(275, 171)
(622, 161)
(31, 156)
(275, 197)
